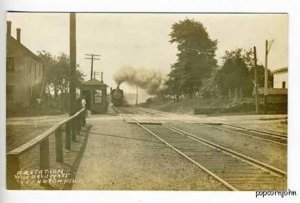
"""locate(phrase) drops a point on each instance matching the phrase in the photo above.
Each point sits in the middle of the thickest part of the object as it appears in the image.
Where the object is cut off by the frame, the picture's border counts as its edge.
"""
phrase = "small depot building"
(94, 92)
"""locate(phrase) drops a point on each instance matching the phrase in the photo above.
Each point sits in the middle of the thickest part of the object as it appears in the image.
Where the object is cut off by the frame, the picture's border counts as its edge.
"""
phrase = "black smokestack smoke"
(146, 79)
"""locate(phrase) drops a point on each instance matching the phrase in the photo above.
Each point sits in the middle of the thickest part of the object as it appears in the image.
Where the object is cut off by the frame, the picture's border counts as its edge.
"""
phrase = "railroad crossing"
(144, 149)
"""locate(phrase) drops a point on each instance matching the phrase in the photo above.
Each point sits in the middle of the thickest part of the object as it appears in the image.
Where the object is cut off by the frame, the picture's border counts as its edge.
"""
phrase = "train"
(117, 97)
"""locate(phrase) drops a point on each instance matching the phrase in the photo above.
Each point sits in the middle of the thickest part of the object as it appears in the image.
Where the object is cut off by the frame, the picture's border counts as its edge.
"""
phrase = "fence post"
(13, 166)
(44, 159)
(73, 129)
(59, 145)
(68, 136)
(44, 155)
(80, 119)
(83, 117)
(78, 124)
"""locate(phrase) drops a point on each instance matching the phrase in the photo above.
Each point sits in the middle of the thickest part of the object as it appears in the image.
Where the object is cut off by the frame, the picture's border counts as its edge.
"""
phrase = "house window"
(10, 66)
(10, 93)
(98, 96)
(283, 85)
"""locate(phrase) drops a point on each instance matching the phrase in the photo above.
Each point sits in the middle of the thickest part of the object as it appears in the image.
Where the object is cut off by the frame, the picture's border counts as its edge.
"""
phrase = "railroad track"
(232, 169)
(261, 135)
(238, 130)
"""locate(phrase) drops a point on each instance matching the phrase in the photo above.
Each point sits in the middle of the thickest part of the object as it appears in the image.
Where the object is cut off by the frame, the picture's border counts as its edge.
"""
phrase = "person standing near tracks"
(83, 104)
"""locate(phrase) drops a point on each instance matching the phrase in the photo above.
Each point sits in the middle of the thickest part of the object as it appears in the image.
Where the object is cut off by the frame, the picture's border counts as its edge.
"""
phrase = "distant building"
(24, 72)
(94, 92)
(280, 78)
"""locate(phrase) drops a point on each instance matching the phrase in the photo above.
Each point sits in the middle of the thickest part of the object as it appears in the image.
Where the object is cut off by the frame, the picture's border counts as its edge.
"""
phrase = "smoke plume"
(146, 79)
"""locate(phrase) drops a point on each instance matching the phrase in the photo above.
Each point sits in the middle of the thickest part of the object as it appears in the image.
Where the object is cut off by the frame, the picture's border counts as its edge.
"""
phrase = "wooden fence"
(72, 125)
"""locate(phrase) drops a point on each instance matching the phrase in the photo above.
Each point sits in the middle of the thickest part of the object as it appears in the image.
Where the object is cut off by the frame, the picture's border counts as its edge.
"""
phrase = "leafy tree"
(174, 85)
(196, 57)
(249, 60)
(57, 73)
(237, 72)
(234, 73)
(209, 87)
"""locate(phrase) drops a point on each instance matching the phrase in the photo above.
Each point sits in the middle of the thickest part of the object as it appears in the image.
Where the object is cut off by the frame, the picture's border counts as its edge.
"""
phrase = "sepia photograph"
(147, 101)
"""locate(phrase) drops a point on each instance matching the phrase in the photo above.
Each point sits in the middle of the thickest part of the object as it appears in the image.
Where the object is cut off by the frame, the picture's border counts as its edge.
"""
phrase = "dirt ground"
(122, 156)
(20, 130)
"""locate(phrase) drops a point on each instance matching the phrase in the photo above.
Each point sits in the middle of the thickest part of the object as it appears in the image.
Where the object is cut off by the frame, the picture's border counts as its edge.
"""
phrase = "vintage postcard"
(114, 102)
(147, 101)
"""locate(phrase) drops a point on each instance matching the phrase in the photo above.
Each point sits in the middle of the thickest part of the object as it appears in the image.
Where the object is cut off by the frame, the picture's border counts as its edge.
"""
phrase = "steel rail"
(240, 133)
(249, 159)
(226, 184)
(257, 131)
(222, 181)
(245, 134)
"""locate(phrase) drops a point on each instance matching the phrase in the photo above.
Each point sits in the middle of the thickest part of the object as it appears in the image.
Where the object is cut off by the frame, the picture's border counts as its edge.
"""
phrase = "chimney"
(101, 76)
(8, 31)
(19, 35)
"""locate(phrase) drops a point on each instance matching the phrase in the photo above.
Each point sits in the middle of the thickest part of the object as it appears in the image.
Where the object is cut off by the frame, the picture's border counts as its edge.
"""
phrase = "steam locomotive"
(117, 97)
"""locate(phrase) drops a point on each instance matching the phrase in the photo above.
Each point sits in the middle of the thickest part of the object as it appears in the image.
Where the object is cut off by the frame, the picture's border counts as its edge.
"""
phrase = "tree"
(57, 73)
(249, 60)
(174, 85)
(57, 78)
(234, 73)
(196, 57)
(237, 72)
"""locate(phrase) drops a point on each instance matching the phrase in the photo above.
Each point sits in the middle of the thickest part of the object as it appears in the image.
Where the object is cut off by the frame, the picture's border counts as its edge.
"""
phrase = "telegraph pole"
(255, 83)
(71, 128)
(268, 47)
(92, 57)
(72, 63)
(95, 74)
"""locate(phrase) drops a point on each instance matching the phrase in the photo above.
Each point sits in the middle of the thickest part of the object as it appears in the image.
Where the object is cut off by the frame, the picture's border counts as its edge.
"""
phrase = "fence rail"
(72, 125)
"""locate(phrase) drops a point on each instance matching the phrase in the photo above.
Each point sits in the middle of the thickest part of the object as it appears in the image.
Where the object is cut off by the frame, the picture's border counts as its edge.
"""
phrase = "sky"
(141, 40)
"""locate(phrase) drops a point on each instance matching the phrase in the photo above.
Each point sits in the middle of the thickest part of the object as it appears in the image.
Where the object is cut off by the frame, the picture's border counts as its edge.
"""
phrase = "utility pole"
(71, 127)
(92, 57)
(95, 74)
(268, 47)
(72, 63)
(255, 83)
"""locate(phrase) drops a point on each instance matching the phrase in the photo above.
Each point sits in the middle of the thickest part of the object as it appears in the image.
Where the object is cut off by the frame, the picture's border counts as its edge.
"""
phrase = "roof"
(280, 70)
(12, 40)
(94, 82)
